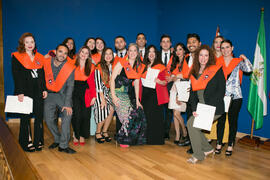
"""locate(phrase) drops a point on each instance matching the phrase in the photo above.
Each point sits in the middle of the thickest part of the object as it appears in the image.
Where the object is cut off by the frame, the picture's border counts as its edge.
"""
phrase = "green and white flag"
(257, 102)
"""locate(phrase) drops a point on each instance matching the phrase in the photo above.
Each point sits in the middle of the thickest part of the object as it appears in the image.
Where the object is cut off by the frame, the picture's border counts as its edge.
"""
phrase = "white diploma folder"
(13, 105)
(149, 80)
(182, 90)
(205, 117)
(227, 102)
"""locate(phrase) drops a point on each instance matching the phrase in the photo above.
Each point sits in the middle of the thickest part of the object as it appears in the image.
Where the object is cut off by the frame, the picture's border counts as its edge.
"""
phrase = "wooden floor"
(108, 161)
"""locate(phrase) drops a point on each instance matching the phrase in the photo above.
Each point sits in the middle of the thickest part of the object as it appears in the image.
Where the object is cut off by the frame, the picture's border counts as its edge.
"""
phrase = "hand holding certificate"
(149, 80)
(13, 105)
(205, 117)
(182, 90)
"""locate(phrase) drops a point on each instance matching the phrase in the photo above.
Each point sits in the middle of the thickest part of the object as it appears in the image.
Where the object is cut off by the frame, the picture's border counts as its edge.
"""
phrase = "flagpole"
(250, 140)
(252, 127)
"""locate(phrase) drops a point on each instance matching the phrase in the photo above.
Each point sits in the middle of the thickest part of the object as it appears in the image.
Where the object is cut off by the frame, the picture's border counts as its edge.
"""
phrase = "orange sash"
(56, 85)
(130, 72)
(160, 67)
(96, 57)
(186, 69)
(72, 61)
(100, 71)
(176, 70)
(25, 60)
(115, 61)
(207, 75)
(228, 69)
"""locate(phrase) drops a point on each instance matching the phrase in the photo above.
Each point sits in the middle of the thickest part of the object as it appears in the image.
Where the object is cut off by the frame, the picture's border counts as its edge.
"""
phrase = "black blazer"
(23, 81)
(213, 93)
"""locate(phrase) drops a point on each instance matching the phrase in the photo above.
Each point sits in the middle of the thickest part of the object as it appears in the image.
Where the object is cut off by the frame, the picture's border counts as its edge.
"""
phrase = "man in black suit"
(166, 57)
(141, 42)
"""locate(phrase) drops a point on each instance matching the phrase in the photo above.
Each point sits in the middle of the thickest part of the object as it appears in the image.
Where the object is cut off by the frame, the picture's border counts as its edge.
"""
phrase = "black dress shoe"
(66, 150)
(190, 151)
(53, 145)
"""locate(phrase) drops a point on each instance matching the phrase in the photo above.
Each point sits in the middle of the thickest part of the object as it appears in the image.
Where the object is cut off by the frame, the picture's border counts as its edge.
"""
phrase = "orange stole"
(207, 75)
(130, 72)
(186, 69)
(51, 83)
(25, 60)
(96, 57)
(176, 70)
(228, 69)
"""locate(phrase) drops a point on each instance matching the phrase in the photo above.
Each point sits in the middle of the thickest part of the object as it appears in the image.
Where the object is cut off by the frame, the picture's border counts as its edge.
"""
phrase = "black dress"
(154, 117)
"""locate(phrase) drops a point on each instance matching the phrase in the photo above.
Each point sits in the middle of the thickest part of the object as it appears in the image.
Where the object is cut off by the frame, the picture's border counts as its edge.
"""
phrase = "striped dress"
(101, 114)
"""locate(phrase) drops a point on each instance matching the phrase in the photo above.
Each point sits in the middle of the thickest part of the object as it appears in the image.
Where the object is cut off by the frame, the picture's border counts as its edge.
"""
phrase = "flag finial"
(262, 9)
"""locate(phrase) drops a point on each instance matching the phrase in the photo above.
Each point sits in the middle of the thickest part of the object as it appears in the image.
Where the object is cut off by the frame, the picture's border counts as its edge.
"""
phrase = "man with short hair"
(166, 57)
(141, 42)
(193, 43)
(59, 77)
(120, 46)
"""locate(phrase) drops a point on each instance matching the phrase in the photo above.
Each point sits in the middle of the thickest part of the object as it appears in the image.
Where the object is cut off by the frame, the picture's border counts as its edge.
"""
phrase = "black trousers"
(233, 120)
(81, 114)
(25, 126)
(167, 119)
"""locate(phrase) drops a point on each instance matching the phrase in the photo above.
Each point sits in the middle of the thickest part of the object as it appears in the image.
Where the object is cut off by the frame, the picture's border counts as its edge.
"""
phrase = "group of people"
(71, 85)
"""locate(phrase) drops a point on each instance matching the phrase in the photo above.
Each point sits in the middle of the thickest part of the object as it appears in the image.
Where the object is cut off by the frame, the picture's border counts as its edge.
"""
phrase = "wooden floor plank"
(108, 161)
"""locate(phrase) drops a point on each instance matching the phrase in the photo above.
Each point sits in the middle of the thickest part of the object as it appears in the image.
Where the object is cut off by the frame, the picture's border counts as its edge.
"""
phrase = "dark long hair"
(99, 38)
(21, 46)
(196, 64)
(137, 62)
(146, 60)
(105, 69)
(88, 63)
(71, 52)
(176, 59)
(94, 51)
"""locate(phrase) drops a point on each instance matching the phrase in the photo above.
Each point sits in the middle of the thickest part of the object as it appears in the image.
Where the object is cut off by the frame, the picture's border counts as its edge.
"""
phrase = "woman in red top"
(81, 114)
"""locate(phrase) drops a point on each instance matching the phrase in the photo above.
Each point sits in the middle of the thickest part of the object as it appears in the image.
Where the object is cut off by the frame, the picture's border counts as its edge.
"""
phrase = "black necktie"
(141, 53)
(166, 59)
(121, 55)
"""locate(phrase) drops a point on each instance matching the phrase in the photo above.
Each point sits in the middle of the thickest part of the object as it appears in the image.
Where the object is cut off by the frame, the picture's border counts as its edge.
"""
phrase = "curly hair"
(21, 46)
(196, 64)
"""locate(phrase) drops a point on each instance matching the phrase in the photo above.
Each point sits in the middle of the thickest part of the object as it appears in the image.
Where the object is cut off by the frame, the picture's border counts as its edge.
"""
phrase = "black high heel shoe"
(218, 151)
(228, 152)
(107, 138)
(30, 147)
(39, 147)
(99, 140)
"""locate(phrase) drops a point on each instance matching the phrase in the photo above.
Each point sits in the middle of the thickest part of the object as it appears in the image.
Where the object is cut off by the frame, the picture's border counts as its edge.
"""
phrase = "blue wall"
(52, 21)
